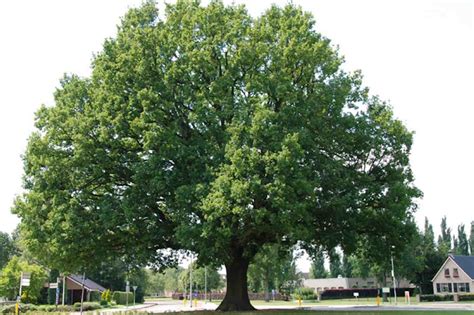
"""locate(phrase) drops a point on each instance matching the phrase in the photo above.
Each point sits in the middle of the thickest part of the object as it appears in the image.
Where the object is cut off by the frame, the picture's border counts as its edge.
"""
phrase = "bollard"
(184, 301)
(299, 301)
(195, 303)
(377, 300)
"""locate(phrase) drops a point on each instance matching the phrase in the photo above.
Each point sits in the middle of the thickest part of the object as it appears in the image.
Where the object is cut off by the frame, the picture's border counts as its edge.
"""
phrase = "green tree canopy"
(335, 264)
(214, 280)
(273, 268)
(10, 280)
(463, 243)
(7, 249)
(471, 239)
(317, 269)
(445, 240)
(212, 131)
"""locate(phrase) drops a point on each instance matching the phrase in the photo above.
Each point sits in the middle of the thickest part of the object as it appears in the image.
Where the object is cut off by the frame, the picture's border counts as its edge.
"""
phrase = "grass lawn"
(362, 301)
(303, 312)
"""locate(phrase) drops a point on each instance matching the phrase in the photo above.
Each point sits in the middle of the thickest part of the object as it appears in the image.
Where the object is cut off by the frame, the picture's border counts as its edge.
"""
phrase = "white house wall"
(441, 278)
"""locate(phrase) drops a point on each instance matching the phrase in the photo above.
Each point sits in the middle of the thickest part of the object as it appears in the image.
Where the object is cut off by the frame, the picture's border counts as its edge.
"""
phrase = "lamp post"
(191, 282)
(205, 284)
(393, 275)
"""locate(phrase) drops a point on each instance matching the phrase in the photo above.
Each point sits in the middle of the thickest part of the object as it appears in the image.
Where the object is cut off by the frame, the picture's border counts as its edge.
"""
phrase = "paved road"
(177, 306)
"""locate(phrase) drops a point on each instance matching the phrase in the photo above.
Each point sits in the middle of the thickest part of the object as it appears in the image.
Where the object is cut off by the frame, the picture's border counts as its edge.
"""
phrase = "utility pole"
(191, 282)
(393, 276)
(82, 292)
(64, 289)
(205, 284)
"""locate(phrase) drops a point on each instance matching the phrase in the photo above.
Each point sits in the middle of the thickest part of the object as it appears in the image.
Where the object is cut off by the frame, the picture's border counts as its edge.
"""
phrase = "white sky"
(416, 54)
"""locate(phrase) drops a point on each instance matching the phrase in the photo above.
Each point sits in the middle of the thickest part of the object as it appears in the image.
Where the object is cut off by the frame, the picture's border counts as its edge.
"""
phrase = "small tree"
(7, 249)
(317, 269)
(471, 239)
(10, 280)
(335, 265)
(463, 243)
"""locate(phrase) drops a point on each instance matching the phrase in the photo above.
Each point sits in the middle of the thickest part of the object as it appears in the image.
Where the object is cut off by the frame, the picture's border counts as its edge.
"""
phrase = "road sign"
(26, 275)
(356, 294)
(135, 288)
(385, 290)
(53, 285)
(25, 282)
(127, 288)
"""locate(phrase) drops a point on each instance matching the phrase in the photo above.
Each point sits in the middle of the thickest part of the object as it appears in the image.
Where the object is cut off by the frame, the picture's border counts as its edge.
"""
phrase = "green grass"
(303, 312)
(361, 301)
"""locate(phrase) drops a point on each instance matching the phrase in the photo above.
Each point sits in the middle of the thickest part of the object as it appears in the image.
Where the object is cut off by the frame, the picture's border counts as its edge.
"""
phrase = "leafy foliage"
(216, 127)
(335, 265)
(471, 239)
(214, 281)
(273, 268)
(10, 280)
(317, 269)
(7, 249)
(463, 243)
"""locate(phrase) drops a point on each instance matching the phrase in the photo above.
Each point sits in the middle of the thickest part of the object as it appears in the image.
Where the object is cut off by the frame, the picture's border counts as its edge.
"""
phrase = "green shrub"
(10, 308)
(65, 308)
(435, 298)
(107, 296)
(95, 296)
(7, 309)
(121, 297)
(305, 294)
(104, 303)
(87, 306)
(46, 308)
(466, 297)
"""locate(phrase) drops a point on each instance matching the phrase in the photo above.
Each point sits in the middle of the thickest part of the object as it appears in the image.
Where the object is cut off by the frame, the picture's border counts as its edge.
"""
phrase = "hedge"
(305, 294)
(466, 297)
(363, 293)
(10, 308)
(220, 296)
(121, 297)
(87, 306)
(95, 296)
(435, 298)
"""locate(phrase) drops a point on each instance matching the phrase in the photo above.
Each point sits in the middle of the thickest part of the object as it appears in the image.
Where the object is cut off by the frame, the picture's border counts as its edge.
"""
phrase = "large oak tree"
(212, 131)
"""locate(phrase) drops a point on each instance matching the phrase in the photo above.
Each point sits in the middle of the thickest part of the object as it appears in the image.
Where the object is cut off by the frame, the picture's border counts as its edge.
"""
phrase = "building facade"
(340, 283)
(456, 276)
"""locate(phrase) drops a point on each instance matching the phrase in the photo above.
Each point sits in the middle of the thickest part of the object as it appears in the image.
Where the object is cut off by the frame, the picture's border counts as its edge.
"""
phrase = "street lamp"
(393, 275)
(191, 282)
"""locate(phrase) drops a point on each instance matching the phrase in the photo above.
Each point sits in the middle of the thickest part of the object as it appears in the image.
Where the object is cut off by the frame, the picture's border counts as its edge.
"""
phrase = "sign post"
(134, 293)
(356, 295)
(127, 289)
(407, 297)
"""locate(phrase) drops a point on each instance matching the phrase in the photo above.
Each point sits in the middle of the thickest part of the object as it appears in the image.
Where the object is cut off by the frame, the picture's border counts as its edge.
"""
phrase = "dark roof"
(466, 263)
(88, 283)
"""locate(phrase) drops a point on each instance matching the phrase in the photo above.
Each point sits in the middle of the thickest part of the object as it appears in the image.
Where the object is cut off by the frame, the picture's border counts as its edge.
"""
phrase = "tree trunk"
(236, 297)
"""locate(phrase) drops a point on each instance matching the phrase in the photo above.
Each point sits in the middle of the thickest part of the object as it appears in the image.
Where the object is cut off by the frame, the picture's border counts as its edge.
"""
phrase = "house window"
(446, 273)
(455, 273)
(438, 288)
(445, 287)
(455, 287)
(463, 287)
